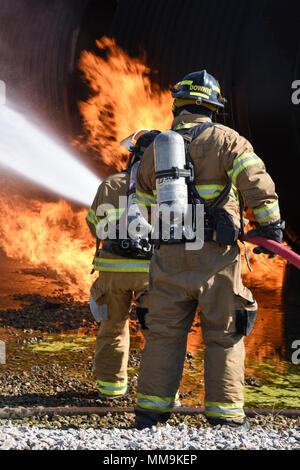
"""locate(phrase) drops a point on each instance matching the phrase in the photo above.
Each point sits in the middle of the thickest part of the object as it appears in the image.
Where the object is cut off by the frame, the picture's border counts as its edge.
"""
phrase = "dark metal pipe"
(20, 412)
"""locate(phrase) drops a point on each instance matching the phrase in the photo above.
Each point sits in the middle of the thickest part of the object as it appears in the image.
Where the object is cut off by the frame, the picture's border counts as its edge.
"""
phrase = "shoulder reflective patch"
(241, 163)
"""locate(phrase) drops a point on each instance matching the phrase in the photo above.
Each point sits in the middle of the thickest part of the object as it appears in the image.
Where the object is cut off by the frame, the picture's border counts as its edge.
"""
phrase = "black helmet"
(137, 143)
(143, 142)
(201, 87)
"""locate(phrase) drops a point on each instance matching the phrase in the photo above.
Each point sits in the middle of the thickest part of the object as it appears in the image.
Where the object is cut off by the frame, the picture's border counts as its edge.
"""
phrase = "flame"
(123, 100)
(51, 236)
(266, 273)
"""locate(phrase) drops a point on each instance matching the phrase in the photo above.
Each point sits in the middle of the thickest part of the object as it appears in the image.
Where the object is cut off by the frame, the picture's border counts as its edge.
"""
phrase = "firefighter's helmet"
(138, 142)
(199, 88)
(144, 141)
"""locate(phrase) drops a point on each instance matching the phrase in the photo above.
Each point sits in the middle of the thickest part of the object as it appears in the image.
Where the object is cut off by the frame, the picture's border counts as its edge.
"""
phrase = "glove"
(272, 231)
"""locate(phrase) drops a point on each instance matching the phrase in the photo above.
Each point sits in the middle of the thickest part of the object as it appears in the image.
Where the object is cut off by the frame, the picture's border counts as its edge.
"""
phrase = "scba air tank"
(172, 191)
(138, 227)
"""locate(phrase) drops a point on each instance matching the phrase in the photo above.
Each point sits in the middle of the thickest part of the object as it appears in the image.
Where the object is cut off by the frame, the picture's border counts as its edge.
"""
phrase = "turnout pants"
(115, 290)
(179, 281)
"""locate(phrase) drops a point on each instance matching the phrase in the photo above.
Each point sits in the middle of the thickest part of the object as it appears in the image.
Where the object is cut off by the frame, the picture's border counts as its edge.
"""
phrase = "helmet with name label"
(198, 88)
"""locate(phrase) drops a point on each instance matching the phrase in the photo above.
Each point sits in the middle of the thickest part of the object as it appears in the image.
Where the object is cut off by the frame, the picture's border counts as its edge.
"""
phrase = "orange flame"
(49, 235)
(123, 100)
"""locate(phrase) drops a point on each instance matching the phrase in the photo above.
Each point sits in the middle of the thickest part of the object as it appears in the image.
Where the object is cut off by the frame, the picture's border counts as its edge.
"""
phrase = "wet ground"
(50, 343)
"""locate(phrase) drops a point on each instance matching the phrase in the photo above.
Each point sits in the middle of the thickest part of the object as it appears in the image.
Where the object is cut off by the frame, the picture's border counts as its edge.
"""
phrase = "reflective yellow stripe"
(112, 384)
(199, 94)
(155, 403)
(145, 199)
(119, 265)
(88, 218)
(224, 410)
(112, 214)
(268, 212)
(187, 125)
(217, 89)
(209, 191)
(241, 163)
(187, 82)
(114, 211)
(91, 217)
(111, 388)
(146, 195)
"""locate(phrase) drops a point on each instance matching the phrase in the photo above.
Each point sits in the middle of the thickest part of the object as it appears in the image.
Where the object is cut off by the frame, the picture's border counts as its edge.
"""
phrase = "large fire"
(54, 234)
(123, 100)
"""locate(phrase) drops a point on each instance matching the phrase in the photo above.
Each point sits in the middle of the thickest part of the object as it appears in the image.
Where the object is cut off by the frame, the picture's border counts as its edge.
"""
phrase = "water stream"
(31, 153)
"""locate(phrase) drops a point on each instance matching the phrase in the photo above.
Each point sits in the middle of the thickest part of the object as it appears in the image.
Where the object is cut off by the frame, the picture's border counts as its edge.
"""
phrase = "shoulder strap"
(191, 134)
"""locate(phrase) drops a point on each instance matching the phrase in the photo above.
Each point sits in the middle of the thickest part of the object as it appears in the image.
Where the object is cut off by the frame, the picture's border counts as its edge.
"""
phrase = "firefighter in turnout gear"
(225, 166)
(123, 273)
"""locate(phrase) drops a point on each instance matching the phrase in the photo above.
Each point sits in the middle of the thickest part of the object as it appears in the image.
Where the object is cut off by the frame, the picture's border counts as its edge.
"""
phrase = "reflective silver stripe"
(217, 409)
(244, 160)
(145, 200)
(92, 218)
(157, 404)
(241, 163)
(187, 125)
(202, 192)
(267, 212)
(112, 389)
(215, 192)
(121, 265)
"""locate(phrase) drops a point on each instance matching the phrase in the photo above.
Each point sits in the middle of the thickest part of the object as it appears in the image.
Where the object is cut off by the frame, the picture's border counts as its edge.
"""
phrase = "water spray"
(31, 153)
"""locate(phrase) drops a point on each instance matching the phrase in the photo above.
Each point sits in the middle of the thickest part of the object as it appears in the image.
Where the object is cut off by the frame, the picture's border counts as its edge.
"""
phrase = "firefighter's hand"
(272, 231)
(258, 250)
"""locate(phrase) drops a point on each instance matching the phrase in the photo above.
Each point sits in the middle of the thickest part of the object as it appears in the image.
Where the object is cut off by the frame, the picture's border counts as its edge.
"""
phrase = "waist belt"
(208, 237)
(128, 252)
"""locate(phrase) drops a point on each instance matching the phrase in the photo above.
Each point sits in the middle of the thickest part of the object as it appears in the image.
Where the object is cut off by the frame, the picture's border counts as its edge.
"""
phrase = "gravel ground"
(157, 438)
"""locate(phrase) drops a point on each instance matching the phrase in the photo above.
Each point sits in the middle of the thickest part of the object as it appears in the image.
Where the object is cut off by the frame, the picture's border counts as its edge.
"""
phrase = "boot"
(147, 420)
(244, 425)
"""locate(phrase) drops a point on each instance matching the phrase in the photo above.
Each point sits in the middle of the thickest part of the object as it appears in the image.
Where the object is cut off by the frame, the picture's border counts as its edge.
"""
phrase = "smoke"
(32, 154)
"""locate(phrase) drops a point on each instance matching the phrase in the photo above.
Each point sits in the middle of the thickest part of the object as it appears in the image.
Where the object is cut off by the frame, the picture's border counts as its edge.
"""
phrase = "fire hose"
(280, 250)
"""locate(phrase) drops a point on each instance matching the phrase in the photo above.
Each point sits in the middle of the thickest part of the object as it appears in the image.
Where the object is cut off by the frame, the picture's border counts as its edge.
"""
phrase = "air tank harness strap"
(176, 173)
(128, 248)
(215, 219)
